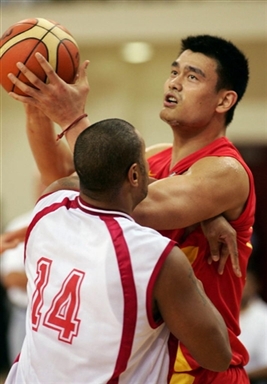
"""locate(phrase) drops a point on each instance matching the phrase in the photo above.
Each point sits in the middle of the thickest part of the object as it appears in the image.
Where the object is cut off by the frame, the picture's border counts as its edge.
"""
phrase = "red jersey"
(225, 290)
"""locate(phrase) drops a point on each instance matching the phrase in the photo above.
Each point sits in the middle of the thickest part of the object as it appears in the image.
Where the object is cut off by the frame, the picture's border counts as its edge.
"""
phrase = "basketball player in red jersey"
(102, 289)
(201, 176)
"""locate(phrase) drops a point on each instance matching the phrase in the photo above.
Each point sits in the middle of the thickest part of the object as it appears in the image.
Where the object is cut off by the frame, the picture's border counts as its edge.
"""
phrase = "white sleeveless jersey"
(91, 274)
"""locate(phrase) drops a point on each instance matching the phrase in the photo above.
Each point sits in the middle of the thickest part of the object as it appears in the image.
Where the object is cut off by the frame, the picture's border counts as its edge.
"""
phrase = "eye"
(192, 77)
(174, 72)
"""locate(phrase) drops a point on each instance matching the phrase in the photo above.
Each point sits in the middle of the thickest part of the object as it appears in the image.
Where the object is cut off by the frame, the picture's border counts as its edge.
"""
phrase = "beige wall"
(129, 91)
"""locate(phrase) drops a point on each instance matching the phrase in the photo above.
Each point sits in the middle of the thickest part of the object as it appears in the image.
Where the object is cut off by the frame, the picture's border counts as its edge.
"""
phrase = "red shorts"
(233, 375)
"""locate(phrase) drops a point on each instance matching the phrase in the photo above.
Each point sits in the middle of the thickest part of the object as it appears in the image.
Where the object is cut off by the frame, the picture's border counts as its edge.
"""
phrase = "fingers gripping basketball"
(22, 40)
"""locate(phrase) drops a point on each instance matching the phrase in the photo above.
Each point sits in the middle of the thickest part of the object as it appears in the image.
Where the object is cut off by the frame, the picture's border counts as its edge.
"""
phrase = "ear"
(133, 175)
(226, 101)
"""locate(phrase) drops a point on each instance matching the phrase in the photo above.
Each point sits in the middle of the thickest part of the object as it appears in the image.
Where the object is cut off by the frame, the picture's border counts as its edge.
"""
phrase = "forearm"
(53, 158)
(15, 279)
(258, 374)
(162, 211)
(11, 239)
(57, 102)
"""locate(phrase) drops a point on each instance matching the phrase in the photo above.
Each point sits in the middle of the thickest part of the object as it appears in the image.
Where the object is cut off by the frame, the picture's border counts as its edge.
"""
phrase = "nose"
(175, 83)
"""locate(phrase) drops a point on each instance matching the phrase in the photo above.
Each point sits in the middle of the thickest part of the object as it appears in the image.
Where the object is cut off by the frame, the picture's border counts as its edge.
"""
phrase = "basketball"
(22, 40)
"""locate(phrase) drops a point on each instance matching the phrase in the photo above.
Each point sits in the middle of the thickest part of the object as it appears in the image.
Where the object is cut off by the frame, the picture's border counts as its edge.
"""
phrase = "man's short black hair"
(103, 154)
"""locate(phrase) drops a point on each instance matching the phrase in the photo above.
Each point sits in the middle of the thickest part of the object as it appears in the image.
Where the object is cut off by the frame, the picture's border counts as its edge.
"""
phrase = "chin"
(162, 111)
(169, 120)
(167, 116)
(163, 115)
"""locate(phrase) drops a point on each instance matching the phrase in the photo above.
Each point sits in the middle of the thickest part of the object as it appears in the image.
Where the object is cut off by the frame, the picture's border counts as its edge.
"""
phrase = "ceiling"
(101, 22)
(134, 92)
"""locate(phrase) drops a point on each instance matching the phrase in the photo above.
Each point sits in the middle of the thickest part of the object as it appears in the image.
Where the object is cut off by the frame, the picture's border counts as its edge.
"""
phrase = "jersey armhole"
(151, 283)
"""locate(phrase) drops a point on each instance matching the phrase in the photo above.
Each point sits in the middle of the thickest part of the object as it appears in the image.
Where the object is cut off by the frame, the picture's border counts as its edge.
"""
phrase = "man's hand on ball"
(60, 101)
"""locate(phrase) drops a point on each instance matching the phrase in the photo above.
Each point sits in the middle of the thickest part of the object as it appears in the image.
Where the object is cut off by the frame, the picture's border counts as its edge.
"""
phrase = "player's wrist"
(75, 122)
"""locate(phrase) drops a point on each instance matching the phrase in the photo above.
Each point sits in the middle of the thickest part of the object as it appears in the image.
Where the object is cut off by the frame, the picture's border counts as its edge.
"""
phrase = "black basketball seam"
(7, 34)
(27, 58)
(40, 40)
(51, 31)
(71, 58)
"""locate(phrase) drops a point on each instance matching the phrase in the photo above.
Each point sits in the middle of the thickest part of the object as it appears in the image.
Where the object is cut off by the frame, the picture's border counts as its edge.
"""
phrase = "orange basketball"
(22, 40)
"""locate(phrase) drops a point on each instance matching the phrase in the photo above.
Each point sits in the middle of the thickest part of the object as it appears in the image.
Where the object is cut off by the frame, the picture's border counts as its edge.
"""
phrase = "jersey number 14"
(63, 311)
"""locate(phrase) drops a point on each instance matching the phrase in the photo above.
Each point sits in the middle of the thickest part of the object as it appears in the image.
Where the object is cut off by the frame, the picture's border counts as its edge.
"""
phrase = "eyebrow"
(189, 68)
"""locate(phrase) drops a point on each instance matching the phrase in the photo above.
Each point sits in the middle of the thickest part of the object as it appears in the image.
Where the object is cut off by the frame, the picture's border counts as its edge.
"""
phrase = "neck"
(185, 143)
(114, 204)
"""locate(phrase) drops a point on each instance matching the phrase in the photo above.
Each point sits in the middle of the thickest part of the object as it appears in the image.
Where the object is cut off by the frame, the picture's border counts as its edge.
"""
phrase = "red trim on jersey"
(173, 343)
(129, 293)
(149, 293)
(66, 202)
(93, 210)
(16, 359)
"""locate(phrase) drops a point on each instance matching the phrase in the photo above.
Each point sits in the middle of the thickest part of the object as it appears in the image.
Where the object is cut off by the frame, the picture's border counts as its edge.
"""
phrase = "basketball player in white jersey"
(104, 292)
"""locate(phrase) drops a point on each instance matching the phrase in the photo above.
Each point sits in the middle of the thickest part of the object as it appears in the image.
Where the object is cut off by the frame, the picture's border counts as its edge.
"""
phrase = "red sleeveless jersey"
(225, 290)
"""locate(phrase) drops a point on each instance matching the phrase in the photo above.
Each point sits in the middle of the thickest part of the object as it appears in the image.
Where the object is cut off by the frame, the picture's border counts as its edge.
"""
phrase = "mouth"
(170, 100)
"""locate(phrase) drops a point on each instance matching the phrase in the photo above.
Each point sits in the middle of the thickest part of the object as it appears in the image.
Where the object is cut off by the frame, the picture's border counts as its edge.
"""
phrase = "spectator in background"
(11, 239)
(14, 280)
(253, 324)
(4, 315)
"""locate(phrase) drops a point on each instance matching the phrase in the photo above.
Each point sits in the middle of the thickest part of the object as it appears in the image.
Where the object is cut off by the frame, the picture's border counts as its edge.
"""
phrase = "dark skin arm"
(258, 374)
(190, 315)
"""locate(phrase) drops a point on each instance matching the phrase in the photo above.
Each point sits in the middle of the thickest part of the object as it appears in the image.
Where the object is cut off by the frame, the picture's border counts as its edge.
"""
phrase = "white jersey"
(91, 274)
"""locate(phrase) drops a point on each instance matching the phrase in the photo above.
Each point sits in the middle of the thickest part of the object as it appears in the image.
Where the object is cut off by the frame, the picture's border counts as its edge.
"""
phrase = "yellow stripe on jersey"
(181, 365)
(182, 378)
(191, 253)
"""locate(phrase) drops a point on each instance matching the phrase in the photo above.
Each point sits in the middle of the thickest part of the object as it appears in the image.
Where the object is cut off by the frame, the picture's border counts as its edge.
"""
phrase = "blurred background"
(131, 45)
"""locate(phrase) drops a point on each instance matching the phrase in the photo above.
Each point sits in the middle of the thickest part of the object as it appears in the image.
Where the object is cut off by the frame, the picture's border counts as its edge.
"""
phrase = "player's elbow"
(222, 363)
(220, 357)
(216, 353)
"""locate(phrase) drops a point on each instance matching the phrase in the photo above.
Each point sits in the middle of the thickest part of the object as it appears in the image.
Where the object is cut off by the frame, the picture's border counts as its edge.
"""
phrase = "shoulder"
(57, 198)
(66, 183)
(220, 167)
(218, 162)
